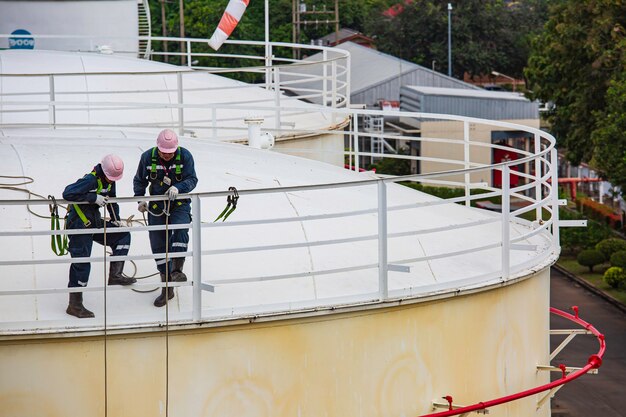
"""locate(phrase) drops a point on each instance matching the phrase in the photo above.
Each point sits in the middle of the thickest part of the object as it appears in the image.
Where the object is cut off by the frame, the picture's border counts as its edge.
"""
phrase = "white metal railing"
(324, 81)
(543, 204)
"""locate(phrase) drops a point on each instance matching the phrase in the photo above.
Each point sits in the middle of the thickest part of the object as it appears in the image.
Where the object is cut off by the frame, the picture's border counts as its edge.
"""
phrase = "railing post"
(324, 76)
(506, 214)
(277, 96)
(334, 88)
(268, 66)
(52, 116)
(466, 159)
(189, 53)
(554, 175)
(181, 122)
(538, 193)
(355, 136)
(383, 288)
(197, 257)
(348, 71)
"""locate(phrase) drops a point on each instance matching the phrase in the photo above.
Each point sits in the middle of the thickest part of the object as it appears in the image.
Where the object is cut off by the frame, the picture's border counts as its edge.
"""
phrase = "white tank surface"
(112, 91)
(57, 158)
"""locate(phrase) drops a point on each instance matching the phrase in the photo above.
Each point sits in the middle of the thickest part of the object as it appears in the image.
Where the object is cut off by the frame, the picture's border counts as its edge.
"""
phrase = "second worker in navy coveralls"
(168, 170)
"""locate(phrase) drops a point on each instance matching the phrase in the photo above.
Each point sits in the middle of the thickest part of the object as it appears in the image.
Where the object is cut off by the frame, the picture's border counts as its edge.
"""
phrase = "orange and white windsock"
(230, 18)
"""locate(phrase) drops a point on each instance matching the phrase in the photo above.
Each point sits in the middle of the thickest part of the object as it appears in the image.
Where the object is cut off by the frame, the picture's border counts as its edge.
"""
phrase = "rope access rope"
(167, 310)
(106, 381)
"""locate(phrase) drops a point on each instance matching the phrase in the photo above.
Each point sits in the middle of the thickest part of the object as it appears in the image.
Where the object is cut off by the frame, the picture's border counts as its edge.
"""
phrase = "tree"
(486, 35)
(573, 63)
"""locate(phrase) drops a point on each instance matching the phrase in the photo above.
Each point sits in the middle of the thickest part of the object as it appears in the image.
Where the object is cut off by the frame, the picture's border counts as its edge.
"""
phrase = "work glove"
(142, 206)
(118, 223)
(101, 200)
(172, 193)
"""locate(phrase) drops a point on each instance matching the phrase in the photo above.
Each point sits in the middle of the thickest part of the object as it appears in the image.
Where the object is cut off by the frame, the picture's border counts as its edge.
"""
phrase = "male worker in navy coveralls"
(95, 188)
(168, 170)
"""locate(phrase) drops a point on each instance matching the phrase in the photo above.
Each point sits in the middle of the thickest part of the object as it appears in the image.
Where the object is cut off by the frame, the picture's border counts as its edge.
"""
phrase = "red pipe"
(594, 361)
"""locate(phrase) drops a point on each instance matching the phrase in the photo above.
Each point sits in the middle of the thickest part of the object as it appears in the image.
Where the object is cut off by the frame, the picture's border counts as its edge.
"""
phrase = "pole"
(268, 58)
(449, 39)
(182, 30)
(164, 29)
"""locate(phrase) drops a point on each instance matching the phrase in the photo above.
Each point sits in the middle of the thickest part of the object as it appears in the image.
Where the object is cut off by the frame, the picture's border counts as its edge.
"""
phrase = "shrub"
(619, 259)
(609, 246)
(590, 258)
(575, 239)
(600, 212)
(615, 277)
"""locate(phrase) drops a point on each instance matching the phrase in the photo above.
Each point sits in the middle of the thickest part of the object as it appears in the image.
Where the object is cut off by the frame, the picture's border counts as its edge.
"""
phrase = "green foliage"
(441, 192)
(609, 137)
(575, 62)
(575, 239)
(609, 246)
(393, 166)
(486, 34)
(619, 259)
(615, 277)
(590, 258)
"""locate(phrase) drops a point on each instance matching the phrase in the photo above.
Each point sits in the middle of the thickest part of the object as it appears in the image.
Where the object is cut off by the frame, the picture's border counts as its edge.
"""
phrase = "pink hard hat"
(113, 167)
(167, 142)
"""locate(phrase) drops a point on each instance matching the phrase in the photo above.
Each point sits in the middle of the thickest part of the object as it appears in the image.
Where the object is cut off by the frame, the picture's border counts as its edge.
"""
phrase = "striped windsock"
(229, 21)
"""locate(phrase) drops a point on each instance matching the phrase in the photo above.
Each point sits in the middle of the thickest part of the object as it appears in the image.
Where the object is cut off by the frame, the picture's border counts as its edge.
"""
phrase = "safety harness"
(76, 207)
(177, 170)
(59, 242)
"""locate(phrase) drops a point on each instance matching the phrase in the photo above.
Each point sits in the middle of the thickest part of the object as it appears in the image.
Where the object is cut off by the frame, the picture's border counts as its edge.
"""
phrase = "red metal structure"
(573, 182)
(594, 362)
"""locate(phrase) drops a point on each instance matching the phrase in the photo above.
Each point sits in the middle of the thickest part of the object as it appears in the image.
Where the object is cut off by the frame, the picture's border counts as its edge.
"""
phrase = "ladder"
(143, 15)
(376, 126)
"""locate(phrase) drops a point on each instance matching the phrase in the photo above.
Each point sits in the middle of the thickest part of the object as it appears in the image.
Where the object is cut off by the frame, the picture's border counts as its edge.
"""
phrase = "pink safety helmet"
(113, 167)
(167, 142)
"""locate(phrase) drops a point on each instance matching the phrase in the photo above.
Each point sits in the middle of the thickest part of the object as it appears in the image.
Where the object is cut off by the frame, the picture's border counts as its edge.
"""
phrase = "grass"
(594, 278)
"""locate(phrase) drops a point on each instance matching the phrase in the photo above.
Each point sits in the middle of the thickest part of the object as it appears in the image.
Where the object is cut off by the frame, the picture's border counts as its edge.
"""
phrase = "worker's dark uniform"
(86, 189)
(160, 175)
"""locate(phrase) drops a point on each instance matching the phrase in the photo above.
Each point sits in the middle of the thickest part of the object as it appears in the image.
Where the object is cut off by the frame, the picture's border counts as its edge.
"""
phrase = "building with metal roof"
(378, 76)
(492, 105)
(495, 105)
(374, 76)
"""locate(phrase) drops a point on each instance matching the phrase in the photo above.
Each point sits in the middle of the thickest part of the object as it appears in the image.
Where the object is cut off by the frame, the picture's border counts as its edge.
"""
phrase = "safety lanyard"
(58, 242)
(231, 204)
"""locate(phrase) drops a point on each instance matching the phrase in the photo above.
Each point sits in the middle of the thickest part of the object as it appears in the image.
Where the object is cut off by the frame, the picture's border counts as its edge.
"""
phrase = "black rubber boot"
(76, 307)
(116, 277)
(160, 300)
(177, 270)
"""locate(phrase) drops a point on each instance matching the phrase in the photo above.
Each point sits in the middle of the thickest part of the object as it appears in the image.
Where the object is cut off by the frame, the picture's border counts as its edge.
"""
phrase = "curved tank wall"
(382, 362)
(108, 22)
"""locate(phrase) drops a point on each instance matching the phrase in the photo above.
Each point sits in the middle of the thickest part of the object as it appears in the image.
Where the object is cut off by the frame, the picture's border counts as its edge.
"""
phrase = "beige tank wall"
(382, 362)
(327, 148)
(454, 130)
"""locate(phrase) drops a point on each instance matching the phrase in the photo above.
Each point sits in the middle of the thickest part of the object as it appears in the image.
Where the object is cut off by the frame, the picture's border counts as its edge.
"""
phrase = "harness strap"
(76, 207)
(58, 243)
(153, 168)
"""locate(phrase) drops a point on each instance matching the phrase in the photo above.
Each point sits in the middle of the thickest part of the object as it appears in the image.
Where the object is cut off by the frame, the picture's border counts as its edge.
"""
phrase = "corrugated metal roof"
(371, 68)
(485, 104)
